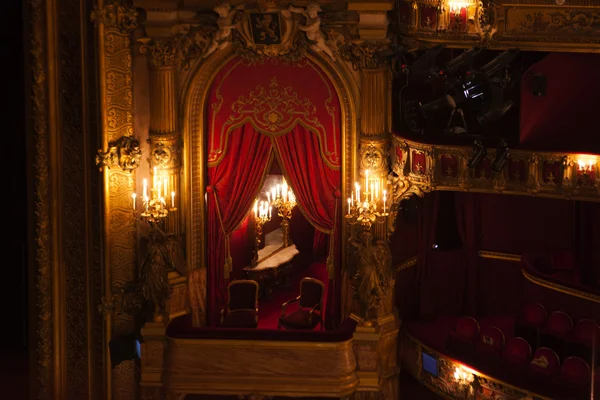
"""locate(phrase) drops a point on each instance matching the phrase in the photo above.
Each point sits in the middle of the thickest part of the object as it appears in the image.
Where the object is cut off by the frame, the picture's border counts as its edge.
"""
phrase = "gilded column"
(115, 23)
(377, 331)
(164, 133)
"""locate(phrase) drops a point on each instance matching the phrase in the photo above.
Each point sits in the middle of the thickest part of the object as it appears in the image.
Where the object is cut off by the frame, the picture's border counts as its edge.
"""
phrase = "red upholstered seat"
(241, 310)
(463, 338)
(531, 318)
(575, 370)
(559, 323)
(545, 361)
(491, 342)
(310, 306)
(517, 351)
(585, 332)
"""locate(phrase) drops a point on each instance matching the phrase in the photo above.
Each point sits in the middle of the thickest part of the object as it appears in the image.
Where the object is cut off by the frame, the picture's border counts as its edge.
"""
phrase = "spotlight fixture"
(502, 154)
(502, 61)
(479, 153)
(443, 102)
(497, 109)
(463, 60)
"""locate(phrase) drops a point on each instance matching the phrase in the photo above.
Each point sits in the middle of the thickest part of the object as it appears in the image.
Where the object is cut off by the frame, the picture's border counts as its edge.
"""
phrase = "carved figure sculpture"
(225, 24)
(312, 27)
(373, 277)
(154, 271)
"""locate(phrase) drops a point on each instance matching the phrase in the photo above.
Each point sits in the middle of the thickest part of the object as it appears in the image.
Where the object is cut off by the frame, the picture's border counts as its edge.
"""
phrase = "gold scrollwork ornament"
(365, 55)
(124, 153)
(116, 15)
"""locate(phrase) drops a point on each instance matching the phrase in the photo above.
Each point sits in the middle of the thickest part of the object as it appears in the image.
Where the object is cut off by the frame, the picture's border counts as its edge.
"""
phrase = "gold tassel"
(228, 260)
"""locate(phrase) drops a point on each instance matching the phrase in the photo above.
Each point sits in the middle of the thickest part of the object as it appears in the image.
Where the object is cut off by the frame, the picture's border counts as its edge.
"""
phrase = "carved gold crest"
(269, 30)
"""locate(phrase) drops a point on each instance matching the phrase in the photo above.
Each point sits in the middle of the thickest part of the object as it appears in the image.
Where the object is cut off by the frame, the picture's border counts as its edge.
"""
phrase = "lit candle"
(367, 179)
(172, 199)
(145, 192)
(357, 187)
(278, 189)
(268, 197)
(133, 196)
(256, 208)
(273, 193)
(270, 209)
(284, 190)
(349, 205)
(384, 199)
(352, 198)
(159, 191)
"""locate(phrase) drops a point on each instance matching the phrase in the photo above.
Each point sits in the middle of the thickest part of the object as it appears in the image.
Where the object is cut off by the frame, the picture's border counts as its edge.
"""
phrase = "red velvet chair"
(545, 362)
(490, 345)
(517, 352)
(528, 323)
(575, 371)
(463, 338)
(581, 339)
(310, 307)
(241, 310)
(554, 333)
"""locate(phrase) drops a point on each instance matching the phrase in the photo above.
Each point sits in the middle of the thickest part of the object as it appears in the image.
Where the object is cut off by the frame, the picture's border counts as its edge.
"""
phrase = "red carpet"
(269, 310)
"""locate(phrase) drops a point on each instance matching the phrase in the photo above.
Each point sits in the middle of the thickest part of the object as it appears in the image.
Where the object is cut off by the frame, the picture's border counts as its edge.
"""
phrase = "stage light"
(502, 154)
(502, 61)
(463, 60)
(479, 153)
(436, 105)
(494, 113)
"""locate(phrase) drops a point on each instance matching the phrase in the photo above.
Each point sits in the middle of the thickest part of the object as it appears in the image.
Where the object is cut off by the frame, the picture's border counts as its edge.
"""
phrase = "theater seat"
(554, 334)
(490, 345)
(464, 336)
(309, 313)
(529, 321)
(581, 339)
(545, 362)
(517, 352)
(575, 371)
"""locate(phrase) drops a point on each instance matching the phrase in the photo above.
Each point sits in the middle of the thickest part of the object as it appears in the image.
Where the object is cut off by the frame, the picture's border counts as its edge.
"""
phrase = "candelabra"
(585, 172)
(154, 206)
(284, 201)
(370, 206)
(262, 215)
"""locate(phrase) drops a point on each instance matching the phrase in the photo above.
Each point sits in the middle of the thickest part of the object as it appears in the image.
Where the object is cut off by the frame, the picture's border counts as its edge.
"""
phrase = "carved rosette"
(165, 151)
(374, 156)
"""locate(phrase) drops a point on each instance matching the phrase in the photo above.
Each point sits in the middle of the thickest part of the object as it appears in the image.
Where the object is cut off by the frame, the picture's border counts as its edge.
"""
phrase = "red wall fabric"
(566, 118)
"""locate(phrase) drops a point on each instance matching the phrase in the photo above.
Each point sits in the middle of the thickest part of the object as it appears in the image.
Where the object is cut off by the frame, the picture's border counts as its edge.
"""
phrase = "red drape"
(469, 229)
(233, 185)
(426, 232)
(316, 186)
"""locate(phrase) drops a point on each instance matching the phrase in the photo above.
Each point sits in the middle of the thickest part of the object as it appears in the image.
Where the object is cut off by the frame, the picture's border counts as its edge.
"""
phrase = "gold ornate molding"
(374, 155)
(560, 288)
(365, 55)
(419, 168)
(161, 52)
(541, 25)
(117, 15)
(406, 264)
(499, 256)
(124, 153)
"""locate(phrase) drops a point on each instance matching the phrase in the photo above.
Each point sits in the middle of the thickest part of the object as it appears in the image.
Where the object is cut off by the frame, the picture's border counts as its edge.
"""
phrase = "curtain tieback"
(228, 260)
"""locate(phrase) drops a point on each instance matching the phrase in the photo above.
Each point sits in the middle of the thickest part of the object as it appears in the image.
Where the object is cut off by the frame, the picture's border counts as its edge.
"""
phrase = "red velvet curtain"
(316, 187)
(469, 228)
(233, 185)
(426, 229)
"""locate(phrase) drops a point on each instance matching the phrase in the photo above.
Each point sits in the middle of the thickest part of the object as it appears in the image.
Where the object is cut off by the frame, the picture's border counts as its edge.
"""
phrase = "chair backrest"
(586, 331)
(545, 361)
(575, 370)
(467, 328)
(311, 292)
(559, 323)
(517, 350)
(243, 295)
(492, 336)
(534, 314)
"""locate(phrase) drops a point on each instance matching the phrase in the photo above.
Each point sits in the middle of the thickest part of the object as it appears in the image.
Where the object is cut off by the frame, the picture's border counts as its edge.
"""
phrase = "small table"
(274, 265)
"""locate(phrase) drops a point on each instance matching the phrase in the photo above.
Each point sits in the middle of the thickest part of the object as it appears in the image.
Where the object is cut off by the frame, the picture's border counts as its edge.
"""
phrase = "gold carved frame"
(193, 101)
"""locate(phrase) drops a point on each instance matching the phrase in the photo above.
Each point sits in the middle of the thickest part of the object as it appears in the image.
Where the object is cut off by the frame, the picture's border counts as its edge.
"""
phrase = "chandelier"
(369, 206)
(284, 200)
(157, 202)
